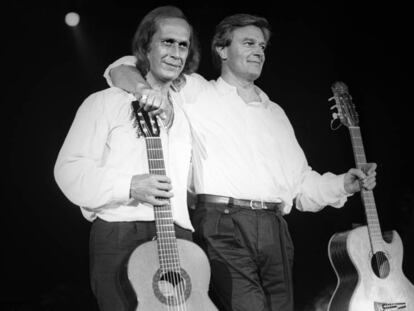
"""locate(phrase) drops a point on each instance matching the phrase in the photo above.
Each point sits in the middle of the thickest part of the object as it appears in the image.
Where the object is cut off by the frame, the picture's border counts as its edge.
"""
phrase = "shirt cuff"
(122, 187)
(341, 186)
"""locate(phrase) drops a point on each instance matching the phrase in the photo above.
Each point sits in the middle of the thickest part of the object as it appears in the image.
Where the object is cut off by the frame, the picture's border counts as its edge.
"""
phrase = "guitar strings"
(368, 199)
(381, 261)
(153, 156)
(167, 242)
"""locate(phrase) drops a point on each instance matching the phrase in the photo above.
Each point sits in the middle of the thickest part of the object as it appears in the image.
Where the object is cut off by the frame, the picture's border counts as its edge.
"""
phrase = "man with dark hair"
(102, 165)
(248, 171)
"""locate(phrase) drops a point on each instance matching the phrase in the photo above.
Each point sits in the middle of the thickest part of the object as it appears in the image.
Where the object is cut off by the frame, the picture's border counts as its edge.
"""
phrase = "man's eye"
(183, 45)
(168, 42)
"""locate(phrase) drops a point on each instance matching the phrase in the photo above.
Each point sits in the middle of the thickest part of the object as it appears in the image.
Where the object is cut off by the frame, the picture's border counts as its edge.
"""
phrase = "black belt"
(249, 204)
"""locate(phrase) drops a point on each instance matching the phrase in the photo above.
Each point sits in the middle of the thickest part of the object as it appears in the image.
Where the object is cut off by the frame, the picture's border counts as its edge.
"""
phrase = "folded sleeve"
(129, 60)
(317, 191)
(80, 169)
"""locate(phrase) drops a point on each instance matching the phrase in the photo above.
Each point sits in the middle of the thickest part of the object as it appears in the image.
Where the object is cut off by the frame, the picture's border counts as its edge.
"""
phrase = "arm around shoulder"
(128, 78)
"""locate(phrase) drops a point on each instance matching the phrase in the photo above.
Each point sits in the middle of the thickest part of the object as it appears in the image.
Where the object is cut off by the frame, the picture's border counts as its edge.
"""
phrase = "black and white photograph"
(207, 156)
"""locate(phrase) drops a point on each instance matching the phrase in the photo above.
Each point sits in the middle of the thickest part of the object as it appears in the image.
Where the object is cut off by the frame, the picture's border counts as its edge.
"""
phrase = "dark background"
(50, 68)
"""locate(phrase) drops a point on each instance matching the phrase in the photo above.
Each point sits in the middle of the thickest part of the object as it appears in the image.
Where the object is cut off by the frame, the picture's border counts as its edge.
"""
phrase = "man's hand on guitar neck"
(152, 100)
(156, 103)
(152, 189)
(357, 179)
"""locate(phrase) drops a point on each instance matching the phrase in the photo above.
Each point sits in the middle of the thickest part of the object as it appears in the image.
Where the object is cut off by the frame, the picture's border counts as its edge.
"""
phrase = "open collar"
(224, 88)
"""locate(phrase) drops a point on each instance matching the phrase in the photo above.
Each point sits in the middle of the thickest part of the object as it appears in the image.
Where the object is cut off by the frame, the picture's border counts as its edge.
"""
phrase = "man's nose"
(259, 51)
(175, 50)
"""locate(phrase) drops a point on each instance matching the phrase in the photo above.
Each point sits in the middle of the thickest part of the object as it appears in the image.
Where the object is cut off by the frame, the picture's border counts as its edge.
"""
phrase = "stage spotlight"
(72, 19)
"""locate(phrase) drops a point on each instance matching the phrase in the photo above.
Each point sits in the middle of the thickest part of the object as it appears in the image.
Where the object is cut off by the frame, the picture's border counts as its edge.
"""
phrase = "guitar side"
(359, 288)
(144, 264)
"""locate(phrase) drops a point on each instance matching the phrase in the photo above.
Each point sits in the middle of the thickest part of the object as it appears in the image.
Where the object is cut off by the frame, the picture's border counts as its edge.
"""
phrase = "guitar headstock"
(146, 126)
(343, 103)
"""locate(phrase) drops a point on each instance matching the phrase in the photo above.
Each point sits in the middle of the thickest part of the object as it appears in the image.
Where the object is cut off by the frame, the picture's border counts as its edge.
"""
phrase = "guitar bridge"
(383, 306)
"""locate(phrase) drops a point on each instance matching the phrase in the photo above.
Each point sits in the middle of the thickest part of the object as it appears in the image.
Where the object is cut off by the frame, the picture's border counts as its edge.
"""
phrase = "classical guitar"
(168, 273)
(368, 264)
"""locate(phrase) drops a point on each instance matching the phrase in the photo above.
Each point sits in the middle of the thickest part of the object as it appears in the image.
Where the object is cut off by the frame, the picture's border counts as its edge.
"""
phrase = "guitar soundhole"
(380, 265)
(172, 288)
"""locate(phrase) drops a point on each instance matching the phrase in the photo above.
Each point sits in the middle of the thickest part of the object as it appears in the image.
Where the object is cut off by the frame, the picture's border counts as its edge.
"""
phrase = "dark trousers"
(251, 257)
(111, 244)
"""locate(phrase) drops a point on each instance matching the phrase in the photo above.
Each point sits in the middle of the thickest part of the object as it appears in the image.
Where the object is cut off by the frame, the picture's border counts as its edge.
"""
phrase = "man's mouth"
(177, 66)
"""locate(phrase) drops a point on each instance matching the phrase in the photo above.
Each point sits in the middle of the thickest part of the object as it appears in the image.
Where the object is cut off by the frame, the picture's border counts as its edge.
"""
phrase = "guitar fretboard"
(166, 239)
(367, 196)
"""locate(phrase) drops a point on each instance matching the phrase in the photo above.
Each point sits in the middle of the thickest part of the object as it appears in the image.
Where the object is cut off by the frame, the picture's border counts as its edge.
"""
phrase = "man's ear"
(222, 52)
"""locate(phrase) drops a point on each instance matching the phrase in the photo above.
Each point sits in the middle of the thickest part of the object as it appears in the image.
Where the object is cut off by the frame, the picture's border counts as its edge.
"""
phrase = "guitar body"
(359, 288)
(156, 290)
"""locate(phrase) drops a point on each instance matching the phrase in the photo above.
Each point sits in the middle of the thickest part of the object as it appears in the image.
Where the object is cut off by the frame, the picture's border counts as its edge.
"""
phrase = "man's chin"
(170, 77)
(172, 72)
(254, 75)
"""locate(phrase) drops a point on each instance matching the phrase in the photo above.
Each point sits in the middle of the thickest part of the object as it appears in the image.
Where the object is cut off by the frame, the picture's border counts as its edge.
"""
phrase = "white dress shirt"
(101, 153)
(249, 151)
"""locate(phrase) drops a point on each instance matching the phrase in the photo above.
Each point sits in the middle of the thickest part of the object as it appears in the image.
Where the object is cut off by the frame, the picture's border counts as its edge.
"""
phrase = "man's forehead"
(174, 28)
(249, 32)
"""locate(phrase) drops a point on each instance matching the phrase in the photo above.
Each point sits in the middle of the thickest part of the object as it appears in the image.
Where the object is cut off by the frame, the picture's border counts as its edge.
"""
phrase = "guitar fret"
(170, 241)
(170, 247)
(166, 231)
(173, 259)
(167, 236)
(165, 219)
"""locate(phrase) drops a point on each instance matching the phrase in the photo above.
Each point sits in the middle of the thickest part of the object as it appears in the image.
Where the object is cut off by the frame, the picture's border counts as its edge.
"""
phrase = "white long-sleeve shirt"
(249, 151)
(101, 153)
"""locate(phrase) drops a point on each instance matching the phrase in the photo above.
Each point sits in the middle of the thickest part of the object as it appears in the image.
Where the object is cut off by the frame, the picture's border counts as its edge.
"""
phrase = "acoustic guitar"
(368, 264)
(168, 273)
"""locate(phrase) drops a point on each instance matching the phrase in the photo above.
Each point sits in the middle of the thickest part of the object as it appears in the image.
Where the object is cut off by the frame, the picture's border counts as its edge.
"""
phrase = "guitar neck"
(368, 200)
(166, 239)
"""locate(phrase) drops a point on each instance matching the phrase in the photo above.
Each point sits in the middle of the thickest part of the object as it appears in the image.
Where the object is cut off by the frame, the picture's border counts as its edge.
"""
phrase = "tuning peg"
(332, 98)
(335, 116)
(332, 107)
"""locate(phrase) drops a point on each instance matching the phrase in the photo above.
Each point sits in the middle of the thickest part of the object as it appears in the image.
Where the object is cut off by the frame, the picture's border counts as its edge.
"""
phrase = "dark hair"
(224, 30)
(148, 27)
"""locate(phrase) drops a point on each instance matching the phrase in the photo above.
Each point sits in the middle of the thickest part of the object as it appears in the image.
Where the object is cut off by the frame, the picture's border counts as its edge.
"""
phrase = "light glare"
(72, 19)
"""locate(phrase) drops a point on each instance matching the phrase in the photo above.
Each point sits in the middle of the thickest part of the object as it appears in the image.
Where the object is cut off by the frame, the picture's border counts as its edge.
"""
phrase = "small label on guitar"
(383, 306)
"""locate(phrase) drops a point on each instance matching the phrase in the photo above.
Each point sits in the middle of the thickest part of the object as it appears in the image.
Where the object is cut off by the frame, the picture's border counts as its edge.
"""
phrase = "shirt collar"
(223, 87)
